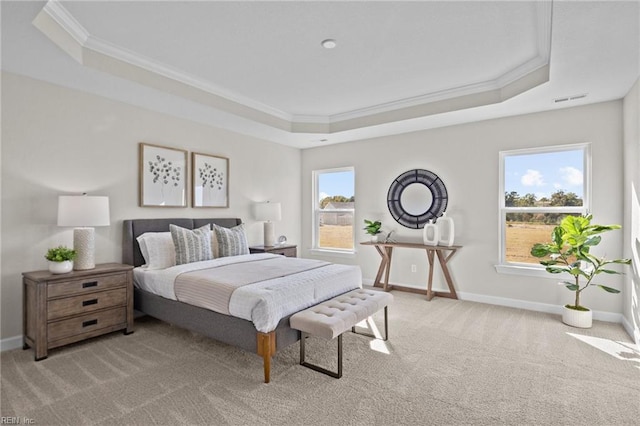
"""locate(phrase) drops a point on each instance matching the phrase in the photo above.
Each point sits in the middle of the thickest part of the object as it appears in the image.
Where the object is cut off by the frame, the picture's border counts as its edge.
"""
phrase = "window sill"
(526, 270)
(334, 253)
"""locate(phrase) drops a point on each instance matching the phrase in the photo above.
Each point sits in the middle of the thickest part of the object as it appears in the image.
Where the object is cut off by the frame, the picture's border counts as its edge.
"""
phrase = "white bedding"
(264, 303)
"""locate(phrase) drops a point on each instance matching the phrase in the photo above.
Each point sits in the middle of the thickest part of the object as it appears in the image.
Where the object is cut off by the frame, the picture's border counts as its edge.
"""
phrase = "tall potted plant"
(569, 252)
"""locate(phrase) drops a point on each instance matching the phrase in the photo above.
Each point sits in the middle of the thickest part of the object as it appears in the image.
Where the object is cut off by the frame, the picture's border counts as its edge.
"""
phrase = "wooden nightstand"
(289, 250)
(66, 308)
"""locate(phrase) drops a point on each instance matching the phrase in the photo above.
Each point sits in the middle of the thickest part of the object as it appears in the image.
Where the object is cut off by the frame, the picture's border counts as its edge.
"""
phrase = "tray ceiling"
(397, 66)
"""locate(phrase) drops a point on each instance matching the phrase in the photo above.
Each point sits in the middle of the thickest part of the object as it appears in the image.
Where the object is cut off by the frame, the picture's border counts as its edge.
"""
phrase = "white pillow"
(157, 249)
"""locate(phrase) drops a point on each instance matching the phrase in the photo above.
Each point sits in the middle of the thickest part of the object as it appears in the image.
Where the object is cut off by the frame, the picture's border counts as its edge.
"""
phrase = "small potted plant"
(372, 228)
(60, 259)
(569, 252)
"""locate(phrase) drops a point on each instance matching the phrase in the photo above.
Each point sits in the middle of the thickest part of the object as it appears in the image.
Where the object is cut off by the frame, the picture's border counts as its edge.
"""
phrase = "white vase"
(60, 267)
(446, 230)
(430, 234)
(374, 238)
(580, 319)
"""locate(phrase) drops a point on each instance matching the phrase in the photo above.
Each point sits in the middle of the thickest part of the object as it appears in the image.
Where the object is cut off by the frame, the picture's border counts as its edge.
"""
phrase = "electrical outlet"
(413, 268)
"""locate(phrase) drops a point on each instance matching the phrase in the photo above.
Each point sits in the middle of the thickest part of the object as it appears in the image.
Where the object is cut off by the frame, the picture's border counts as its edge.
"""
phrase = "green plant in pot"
(570, 252)
(373, 228)
(60, 259)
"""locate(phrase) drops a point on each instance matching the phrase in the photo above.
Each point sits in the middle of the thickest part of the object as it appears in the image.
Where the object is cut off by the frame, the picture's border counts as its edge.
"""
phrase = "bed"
(261, 338)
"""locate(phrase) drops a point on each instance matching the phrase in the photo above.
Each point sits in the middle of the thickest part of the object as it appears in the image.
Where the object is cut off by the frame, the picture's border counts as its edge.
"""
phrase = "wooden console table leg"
(444, 253)
(447, 276)
(384, 268)
(430, 293)
(389, 252)
(381, 268)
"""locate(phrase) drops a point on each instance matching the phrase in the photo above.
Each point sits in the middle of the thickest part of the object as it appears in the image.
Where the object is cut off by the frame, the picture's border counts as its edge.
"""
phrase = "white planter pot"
(580, 319)
(60, 267)
(374, 238)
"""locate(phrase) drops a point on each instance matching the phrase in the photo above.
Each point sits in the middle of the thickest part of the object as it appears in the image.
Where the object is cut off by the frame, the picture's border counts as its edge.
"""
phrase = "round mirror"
(415, 197)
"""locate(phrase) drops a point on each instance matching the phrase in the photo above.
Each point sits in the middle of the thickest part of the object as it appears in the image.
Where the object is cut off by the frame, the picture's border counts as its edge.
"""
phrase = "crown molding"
(65, 31)
(121, 54)
(68, 23)
(87, 42)
(544, 15)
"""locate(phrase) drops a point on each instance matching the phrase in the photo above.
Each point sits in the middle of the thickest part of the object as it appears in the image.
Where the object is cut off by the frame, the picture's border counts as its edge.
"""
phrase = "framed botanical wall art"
(163, 176)
(210, 180)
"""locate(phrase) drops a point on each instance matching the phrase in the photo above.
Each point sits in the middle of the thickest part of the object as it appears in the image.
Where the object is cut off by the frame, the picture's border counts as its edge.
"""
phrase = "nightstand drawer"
(85, 303)
(86, 323)
(288, 252)
(88, 285)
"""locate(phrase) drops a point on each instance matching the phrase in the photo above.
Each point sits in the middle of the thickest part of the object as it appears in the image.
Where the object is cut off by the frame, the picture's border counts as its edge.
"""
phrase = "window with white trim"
(538, 187)
(334, 209)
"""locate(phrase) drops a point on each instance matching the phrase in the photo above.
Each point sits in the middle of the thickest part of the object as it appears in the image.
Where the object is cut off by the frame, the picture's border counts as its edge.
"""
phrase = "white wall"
(631, 309)
(58, 141)
(466, 158)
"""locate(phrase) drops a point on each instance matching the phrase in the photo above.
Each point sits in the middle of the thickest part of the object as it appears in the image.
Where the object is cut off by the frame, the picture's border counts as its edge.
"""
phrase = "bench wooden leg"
(317, 368)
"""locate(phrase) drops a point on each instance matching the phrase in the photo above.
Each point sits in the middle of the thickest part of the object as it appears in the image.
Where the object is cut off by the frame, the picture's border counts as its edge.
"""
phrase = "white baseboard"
(10, 343)
(634, 333)
(16, 341)
(523, 304)
(534, 306)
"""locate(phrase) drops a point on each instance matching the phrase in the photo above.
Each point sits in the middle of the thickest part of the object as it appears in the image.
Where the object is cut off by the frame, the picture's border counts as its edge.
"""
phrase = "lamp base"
(269, 235)
(84, 244)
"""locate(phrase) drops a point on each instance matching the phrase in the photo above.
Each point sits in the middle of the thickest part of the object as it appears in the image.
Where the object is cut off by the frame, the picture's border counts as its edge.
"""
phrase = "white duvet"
(264, 303)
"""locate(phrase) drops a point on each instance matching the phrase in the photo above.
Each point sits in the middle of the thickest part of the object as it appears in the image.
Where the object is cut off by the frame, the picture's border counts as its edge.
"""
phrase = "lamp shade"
(83, 210)
(268, 211)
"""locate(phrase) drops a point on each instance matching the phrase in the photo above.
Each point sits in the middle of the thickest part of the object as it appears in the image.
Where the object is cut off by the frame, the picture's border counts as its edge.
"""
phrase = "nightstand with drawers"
(60, 309)
(288, 250)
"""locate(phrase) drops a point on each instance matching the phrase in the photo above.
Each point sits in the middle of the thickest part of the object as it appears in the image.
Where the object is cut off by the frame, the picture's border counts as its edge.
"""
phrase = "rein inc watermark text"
(16, 420)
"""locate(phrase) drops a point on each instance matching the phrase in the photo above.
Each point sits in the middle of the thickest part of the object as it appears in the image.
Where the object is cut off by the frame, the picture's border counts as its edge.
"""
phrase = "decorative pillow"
(191, 245)
(231, 241)
(157, 249)
(214, 245)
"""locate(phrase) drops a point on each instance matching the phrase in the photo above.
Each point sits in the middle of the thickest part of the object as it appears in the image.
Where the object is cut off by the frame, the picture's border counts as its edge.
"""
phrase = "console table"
(444, 253)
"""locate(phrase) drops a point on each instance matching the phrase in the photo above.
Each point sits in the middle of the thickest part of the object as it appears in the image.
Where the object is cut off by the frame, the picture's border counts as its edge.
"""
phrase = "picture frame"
(210, 180)
(163, 176)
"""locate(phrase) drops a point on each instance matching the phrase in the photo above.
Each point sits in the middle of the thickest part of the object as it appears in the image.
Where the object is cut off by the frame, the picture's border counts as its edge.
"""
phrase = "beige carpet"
(447, 362)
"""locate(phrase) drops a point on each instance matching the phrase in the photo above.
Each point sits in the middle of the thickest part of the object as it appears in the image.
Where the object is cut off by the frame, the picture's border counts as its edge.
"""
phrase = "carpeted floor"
(447, 363)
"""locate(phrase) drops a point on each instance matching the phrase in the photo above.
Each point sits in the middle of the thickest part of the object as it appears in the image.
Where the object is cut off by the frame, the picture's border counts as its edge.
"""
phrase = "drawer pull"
(90, 284)
(90, 322)
(89, 302)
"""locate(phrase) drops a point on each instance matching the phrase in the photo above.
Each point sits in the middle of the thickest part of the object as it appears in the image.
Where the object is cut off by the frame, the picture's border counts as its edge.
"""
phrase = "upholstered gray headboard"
(133, 228)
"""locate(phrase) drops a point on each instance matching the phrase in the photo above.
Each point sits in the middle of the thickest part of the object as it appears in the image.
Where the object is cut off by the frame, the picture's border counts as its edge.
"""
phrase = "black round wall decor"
(410, 204)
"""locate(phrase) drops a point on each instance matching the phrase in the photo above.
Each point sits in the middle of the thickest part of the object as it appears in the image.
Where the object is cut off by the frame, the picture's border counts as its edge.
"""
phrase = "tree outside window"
(539, 187)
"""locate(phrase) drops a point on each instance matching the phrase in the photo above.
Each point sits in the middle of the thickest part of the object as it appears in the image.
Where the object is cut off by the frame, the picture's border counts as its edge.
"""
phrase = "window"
(333, 209)
(538, 187)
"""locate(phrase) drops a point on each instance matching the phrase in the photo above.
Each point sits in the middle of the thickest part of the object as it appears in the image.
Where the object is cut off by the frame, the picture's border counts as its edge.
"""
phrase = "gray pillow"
(231, 241)
(191, 245)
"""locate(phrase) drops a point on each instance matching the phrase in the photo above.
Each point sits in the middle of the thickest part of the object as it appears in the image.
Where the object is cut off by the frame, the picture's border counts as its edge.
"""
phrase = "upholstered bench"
(333, 317)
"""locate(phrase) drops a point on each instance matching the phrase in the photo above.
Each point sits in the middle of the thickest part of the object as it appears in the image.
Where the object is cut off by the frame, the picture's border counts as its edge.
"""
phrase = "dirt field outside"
(336, 236)
(520, 238)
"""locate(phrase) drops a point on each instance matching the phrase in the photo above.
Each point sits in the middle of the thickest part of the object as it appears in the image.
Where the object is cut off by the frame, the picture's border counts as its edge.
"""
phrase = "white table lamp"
(83, 212)
(267, 212)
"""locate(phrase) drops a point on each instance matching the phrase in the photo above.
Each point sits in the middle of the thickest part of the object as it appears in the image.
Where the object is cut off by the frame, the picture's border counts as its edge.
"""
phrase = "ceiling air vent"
(570, 98)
